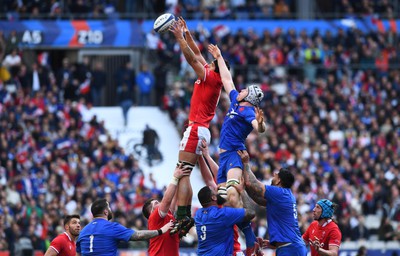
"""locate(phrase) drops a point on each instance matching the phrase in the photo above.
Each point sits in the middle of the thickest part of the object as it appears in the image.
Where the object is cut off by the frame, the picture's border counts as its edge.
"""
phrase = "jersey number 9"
(203, 232)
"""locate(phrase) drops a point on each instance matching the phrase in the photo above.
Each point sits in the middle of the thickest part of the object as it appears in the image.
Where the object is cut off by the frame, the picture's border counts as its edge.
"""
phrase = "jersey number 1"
(91, 243)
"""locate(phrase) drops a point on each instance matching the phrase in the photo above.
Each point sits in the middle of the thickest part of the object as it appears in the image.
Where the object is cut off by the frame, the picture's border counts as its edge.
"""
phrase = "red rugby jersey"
(205, 97)
(327, 234)
(64, 245)
(164, 244)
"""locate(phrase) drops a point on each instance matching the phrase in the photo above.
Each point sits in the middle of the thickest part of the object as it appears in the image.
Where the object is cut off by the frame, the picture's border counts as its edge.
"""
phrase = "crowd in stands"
(331, 103)
(200, 9)
(56, 158)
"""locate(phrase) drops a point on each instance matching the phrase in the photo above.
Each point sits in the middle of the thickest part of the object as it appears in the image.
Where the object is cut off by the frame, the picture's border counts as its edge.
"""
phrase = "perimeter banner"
(131, 33)
(75, 33)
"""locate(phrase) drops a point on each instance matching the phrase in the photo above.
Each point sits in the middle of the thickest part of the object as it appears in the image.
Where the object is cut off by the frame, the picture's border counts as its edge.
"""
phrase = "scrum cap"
(327, 208)
(255, 95)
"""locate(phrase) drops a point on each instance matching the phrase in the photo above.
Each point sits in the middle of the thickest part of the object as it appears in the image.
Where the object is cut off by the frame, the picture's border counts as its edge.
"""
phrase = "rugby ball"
(163, 22)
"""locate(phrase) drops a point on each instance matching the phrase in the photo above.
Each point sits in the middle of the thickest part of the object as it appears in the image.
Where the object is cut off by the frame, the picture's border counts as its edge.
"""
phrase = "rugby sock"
(248, 233)
(189, 211)
(181, 212)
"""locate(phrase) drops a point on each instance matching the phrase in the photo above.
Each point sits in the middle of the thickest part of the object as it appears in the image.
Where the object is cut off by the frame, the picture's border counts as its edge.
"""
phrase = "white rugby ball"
(163, 22)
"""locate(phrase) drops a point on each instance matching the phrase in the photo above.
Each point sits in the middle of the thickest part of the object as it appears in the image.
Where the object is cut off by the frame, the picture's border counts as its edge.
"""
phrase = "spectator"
(24, 247)
(281, 9)
(98, 83)
(12, 42)
(386, 231)
(362, 251)
(160, 83)
(360, 231)
(126, 75)
(145, 82)
(12, 60)
(151, 140)
(125, 101)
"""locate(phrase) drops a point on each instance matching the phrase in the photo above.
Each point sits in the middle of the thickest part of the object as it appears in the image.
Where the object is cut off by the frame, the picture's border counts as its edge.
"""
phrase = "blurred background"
(82, 82)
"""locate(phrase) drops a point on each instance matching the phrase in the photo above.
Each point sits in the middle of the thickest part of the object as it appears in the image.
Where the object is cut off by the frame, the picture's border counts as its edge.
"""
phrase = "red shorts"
(192, 138)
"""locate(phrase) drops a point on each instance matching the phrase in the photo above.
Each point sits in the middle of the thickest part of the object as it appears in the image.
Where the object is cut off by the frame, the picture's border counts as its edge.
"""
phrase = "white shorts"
(192, 138)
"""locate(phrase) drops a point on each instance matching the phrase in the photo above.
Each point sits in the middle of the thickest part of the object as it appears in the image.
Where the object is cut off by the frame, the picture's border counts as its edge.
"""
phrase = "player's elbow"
(192, 60)
(249, 215)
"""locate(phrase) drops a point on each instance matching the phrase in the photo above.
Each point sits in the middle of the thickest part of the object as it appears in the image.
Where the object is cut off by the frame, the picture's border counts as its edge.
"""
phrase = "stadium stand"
(331, 102)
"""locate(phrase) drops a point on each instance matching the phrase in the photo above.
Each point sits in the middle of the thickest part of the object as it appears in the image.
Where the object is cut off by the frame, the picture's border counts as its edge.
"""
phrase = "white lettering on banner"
(347, 253)
(90, 36)
(32, 37)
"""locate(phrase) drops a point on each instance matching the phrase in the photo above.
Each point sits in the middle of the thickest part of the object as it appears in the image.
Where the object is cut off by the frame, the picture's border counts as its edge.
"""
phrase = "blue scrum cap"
(327, 208)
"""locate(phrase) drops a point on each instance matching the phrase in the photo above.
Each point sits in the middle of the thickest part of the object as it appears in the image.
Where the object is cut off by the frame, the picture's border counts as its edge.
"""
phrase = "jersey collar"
(68, 236)
(326, 223)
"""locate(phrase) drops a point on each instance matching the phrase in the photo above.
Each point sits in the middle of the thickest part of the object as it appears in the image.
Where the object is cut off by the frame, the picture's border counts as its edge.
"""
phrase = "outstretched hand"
(184, 25)
(177, 29)
(214, 50)
(259, 115)
(244, 156)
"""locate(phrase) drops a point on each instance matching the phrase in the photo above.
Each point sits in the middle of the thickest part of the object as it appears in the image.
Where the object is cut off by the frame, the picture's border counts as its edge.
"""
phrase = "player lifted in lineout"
(243, 116)
(206, 93)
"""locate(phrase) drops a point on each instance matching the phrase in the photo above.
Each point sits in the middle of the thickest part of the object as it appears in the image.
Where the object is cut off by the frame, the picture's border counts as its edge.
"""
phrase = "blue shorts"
(293, 249)
(227, 161)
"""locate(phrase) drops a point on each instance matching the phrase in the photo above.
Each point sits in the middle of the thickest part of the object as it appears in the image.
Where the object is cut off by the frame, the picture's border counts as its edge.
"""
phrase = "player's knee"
(233, 198)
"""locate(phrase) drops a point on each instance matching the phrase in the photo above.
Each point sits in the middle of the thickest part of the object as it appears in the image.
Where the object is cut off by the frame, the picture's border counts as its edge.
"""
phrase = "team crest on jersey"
(231, 113)
(241, 109)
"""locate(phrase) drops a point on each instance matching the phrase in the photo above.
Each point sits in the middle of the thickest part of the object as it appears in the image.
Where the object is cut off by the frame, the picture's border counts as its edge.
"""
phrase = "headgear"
(327, 208)
(255, 95)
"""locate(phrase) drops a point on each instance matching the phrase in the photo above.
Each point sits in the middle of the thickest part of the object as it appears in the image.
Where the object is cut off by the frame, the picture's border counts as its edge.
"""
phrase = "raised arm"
(258, 123)
(254, 187)
(169, 194)
(211, 163)
(147, 234)
(191, 42)
(226, 76)
(248, 204)
(198, 67)
(206, 173)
